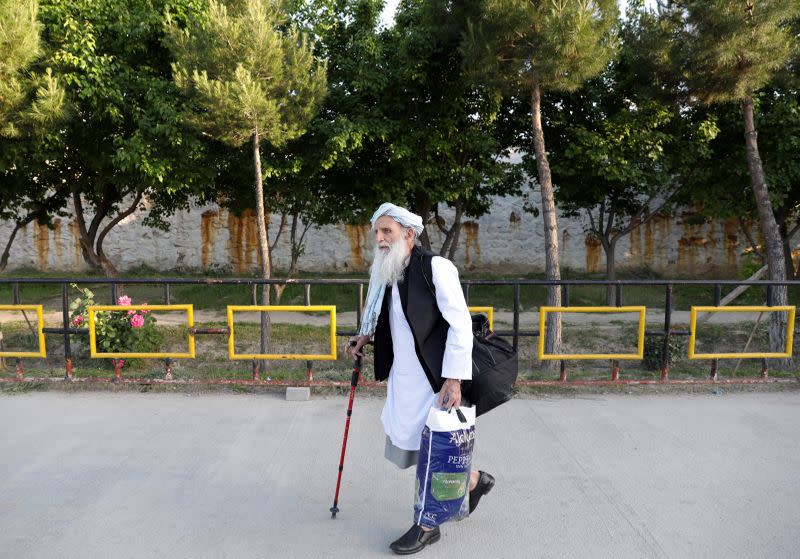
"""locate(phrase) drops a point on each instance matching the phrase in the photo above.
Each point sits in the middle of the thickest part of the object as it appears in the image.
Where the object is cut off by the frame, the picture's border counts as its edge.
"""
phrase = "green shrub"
(132, 330)
(653, 351)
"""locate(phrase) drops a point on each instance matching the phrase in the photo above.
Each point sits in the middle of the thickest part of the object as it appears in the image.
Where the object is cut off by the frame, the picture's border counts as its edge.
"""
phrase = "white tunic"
(409, 396)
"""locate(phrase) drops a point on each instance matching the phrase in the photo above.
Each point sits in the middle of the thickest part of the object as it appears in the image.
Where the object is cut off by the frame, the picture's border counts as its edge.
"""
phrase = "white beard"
(389, 266)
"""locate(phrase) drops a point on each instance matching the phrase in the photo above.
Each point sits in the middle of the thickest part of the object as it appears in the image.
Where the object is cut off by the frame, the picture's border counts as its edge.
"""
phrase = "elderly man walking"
(417, 316)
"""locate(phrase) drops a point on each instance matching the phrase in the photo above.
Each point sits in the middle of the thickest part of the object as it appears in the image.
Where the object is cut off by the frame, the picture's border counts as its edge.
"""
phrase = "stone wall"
(508, 240)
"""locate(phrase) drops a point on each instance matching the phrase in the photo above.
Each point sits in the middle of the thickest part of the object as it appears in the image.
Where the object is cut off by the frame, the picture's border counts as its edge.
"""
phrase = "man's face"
(388, 231)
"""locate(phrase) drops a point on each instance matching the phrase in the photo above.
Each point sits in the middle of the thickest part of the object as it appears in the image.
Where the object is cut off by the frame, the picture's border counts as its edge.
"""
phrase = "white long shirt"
(409, 396)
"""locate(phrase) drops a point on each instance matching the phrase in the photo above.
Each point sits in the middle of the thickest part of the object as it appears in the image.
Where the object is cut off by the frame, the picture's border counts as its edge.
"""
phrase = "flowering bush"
(117, 331)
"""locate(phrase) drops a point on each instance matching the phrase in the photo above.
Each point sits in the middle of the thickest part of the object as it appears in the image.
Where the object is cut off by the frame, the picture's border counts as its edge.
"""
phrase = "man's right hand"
(355, 344)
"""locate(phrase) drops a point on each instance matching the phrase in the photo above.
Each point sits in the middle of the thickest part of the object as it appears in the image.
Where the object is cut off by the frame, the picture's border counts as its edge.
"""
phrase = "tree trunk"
(610, 248)
(789, 237)
(552, 268)
(278, 288)
(278, 233)
(108, 268)
(424, 238)
(791, 273)
(753, 245)
(776, 264)
(298, 243)
(421, 204)
(93, 254)
(86, 242)
(451, 253)
(263, 244)
(452, 234)
(297, 251)
(17, 226)
(786, 243)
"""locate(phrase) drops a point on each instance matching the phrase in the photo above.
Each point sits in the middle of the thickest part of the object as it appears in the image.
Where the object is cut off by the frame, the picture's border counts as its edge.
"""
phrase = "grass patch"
(21, 387)
(202, 296)
(213, 296)
(212, 361)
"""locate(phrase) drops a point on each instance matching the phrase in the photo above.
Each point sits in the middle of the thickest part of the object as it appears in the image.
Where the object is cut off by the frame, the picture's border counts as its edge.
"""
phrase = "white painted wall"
(508, 240)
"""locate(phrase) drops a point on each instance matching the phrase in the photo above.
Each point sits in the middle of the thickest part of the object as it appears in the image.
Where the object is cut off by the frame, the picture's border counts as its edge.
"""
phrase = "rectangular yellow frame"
(633, 356)
(489, 313)
(756, 308)
(40, 334)
(93, 335)
(293, 308)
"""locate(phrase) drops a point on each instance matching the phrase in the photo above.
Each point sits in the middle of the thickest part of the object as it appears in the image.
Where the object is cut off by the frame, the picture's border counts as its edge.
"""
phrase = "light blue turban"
(377, 288)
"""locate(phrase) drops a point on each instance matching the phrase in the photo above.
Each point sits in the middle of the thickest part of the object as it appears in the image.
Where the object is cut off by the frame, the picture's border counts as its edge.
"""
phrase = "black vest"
(422, 313)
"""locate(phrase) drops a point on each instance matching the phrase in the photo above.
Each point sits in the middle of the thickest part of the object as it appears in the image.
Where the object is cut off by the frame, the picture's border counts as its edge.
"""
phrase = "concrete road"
(215, 476)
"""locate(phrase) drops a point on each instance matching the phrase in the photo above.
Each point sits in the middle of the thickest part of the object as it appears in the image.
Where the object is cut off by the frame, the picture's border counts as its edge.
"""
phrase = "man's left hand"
(450, 393)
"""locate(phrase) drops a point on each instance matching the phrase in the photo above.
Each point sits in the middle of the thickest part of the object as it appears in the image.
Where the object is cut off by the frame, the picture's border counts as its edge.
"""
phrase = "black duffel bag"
(494, 361)
(494, 368)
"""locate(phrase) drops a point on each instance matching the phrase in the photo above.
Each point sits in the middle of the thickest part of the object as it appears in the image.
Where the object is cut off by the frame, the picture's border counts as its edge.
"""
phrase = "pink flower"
(78, 320)
(124, 300)
(137, 321)
(130, 312)
(144, 311)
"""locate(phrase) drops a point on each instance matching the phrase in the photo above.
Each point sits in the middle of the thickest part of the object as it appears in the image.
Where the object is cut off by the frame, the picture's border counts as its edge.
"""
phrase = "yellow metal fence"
(93, 310)
(544, 311)
(330, 356)
(42, 351)
(693, 354)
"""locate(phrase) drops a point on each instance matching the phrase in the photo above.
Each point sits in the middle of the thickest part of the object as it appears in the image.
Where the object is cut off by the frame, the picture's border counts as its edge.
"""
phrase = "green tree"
(536, 46)
(125, 141)
(31, 105)
(432, 145)
(730, 50)
(608, 161)
(445, 145)
(779, 109)
(29, 191)
(724, 190)
(622, 150)
(254, 78)
(324, 176)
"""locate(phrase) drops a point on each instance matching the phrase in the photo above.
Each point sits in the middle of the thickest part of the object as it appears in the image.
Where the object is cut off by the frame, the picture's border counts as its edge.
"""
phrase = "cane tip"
(334, 510)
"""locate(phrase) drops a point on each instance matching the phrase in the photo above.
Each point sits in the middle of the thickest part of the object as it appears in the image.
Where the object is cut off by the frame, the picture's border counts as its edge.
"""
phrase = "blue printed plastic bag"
(445, 460)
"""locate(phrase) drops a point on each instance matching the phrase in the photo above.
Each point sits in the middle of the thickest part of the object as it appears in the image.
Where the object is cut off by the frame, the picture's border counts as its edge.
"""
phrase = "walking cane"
(353, 384)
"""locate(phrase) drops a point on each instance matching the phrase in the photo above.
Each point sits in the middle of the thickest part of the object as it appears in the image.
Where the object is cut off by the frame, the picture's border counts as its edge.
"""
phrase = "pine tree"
(255, 77)
(731, 49)
(31, 103)
(28, 100)
(535, 46)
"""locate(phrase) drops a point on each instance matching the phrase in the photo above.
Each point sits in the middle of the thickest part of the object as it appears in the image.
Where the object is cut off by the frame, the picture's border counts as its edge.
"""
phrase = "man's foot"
(485, 484)
(415, 540)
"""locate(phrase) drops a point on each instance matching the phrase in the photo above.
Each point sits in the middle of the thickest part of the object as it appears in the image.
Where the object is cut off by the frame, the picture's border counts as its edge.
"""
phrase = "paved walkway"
(85, 475)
